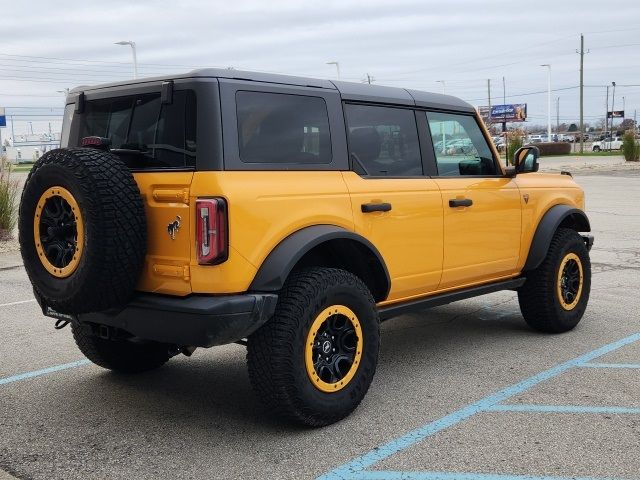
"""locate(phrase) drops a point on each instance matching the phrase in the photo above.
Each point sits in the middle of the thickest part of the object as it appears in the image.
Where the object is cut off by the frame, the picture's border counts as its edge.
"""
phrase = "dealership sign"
(3, 118)
(616, 114)
(513, 112)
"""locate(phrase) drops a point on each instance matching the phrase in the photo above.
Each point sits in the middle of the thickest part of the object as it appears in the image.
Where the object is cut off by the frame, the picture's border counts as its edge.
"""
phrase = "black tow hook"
(61, 323)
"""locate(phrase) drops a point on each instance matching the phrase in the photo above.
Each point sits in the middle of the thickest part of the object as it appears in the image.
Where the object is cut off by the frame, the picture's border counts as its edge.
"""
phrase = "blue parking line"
(359, 464)
(561, 409)
(44, 371)
(391, 475)
(611, 365)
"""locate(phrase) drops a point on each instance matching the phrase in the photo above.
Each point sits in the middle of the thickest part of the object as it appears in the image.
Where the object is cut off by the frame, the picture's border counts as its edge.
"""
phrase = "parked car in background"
(614, 143)
(500, 143)
(585, 137)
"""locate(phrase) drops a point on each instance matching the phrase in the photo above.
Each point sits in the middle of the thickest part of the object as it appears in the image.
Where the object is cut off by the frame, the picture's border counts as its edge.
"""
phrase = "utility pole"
(606, 115)
(582, 93)
(504, 123)
(557, 115)
(613, 106)
(548, 100)
(370, 79)
(489, 100)
(504, 102)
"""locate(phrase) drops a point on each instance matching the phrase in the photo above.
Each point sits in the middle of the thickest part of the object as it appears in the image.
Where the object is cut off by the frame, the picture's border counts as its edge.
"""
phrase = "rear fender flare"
(275, 269)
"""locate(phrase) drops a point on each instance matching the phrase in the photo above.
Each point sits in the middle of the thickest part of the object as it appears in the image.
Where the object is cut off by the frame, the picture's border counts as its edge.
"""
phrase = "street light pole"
(444, 135)
(337, 64)
(557, 115)
(135, 57)
(548, 100)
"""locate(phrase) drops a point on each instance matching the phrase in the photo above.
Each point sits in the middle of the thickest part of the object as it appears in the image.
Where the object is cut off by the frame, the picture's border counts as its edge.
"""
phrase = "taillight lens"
(211, 230)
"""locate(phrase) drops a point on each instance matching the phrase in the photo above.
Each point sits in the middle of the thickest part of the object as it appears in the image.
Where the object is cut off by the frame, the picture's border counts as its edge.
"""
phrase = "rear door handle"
(375, 207)
(460, 202)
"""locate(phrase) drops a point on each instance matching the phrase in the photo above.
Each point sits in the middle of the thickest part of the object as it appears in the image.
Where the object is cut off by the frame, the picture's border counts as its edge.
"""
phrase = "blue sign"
(3, 118)
(509, 113)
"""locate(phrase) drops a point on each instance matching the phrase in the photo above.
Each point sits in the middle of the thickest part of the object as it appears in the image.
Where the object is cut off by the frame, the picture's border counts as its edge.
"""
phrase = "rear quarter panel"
(264, 207)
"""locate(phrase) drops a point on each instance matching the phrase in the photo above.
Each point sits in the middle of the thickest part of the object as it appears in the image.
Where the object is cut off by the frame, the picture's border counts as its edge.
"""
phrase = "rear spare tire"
(82, 230)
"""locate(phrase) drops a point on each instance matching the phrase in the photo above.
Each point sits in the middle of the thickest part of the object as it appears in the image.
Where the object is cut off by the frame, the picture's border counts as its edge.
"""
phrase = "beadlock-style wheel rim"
(333, 350)
(569, 284)
(58, 232)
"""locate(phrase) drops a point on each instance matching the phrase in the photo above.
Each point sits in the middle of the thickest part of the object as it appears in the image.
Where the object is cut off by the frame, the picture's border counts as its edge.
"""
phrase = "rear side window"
(144, 132)
(383, 141)
(282, 129)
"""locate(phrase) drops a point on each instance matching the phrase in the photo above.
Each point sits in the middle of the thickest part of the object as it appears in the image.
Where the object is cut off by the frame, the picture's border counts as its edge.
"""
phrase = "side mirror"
(526, 159)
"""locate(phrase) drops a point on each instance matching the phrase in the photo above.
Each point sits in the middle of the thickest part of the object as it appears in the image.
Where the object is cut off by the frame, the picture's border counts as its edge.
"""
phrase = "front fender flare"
(548, 225)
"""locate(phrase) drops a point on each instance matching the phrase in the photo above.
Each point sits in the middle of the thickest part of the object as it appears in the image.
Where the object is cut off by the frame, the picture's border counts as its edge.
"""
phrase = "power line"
(616, 46)
(102, 62)
(27, 95)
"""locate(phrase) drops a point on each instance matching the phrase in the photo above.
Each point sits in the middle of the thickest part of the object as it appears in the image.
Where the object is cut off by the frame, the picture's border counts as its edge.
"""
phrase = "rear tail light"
(211, 230)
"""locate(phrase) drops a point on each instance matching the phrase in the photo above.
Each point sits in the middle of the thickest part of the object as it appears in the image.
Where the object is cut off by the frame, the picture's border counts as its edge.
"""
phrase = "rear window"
(145, 133)
(283, 129)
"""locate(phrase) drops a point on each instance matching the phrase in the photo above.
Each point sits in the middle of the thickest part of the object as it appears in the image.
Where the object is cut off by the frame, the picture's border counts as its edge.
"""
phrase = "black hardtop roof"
(348, 90)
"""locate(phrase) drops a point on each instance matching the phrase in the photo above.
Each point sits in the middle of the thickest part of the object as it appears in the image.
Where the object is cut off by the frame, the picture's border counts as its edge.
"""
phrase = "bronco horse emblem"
(173, 227)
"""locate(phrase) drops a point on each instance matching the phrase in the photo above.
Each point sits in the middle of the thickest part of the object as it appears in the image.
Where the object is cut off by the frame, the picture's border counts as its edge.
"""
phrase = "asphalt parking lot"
(465, 391)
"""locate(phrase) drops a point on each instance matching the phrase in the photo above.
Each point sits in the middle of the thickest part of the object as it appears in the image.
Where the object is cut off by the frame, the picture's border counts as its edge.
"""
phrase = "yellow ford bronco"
(290, 215)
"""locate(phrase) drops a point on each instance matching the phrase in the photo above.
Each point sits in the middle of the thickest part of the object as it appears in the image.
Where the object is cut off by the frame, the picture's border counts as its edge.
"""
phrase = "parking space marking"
(356, 468)
(44, 371)
(561, 409)
(610, 365)
(17, 303)
(391, 475)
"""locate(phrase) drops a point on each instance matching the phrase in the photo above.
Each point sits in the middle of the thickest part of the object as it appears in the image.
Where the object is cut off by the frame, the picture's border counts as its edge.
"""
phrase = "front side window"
(383, 141)
(144, 132)
(282, 129)
(460, 146)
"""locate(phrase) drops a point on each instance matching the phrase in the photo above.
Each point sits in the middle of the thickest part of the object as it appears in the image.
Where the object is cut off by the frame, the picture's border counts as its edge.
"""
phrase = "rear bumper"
(197, 320)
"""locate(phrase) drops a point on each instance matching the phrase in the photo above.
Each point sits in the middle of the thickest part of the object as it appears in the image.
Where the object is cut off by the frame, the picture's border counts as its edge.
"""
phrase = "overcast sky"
(50, 45)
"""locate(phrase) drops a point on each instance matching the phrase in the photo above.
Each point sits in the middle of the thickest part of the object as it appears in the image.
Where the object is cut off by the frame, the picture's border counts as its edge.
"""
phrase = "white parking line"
(17, 303)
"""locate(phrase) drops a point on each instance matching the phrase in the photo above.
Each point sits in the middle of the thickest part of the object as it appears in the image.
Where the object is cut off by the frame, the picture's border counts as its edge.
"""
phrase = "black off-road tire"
(275, 353)
(115, 231)
(121, 355)
(539, 301)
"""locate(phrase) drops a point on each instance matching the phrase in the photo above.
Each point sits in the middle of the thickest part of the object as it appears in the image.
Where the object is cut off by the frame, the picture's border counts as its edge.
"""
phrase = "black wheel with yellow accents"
(313, 362)
(83, 234)
(555, 295)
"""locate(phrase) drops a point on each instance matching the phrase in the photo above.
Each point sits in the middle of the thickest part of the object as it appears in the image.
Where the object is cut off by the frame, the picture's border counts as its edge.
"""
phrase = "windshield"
(144, 132)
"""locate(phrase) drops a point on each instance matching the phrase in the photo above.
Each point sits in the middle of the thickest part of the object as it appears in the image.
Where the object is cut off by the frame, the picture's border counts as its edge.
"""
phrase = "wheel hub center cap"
(326, 346)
